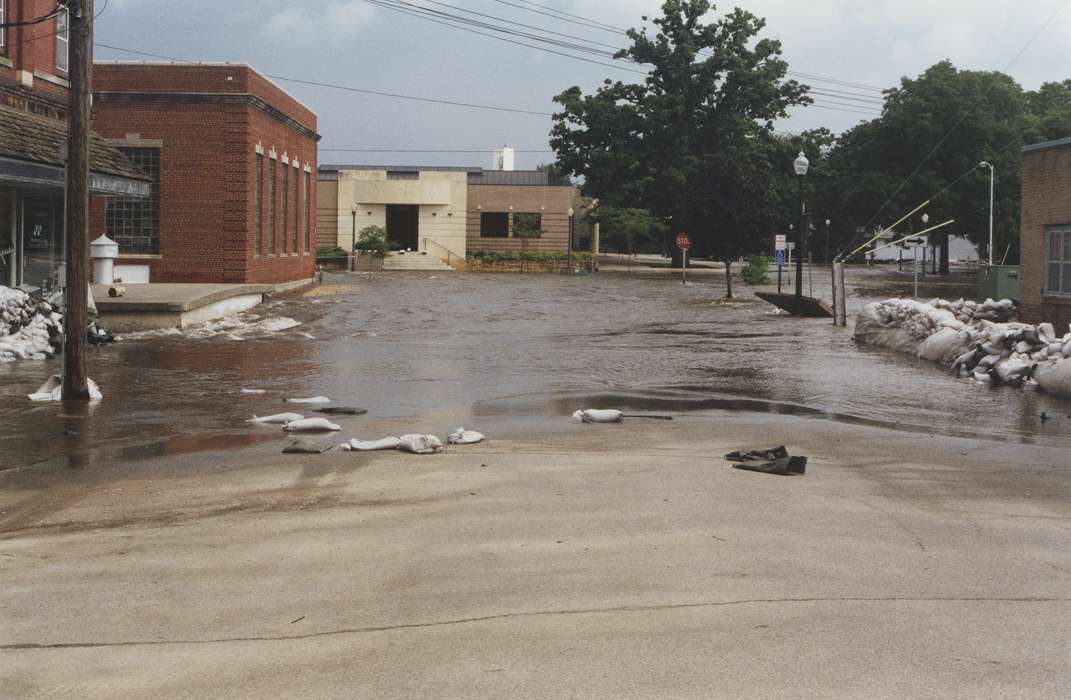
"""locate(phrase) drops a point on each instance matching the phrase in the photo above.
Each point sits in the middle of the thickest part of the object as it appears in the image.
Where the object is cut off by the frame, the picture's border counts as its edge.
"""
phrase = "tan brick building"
(233, 162)
(1045, 234)
(445, 212)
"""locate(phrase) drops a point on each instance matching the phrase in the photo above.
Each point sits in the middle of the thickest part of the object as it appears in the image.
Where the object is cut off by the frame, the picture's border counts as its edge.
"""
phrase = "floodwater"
(504, 353)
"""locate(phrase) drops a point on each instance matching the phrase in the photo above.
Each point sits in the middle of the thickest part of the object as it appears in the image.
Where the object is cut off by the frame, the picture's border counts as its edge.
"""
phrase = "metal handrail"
(450, 255)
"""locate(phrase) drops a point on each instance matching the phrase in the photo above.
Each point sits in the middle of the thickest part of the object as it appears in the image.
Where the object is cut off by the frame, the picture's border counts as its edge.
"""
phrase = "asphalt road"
(622, 561)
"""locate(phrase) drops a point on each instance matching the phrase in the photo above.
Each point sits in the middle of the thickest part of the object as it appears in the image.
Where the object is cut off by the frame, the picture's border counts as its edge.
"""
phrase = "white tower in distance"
(503, 158)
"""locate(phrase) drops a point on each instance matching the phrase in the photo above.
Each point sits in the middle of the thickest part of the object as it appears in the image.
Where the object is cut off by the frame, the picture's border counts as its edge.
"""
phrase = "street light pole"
(992, 187)
(569, 246)
(800, 165)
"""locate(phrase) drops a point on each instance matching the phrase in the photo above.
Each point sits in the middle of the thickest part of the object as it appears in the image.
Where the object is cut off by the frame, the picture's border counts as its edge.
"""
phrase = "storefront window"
(42, 239)
(7, 240)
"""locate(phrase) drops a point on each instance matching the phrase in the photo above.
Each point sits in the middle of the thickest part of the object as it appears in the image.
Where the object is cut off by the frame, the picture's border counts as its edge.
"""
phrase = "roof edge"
(1045, 145)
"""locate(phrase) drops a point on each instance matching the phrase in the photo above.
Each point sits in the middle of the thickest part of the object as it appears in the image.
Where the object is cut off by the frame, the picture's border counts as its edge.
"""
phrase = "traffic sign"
(780, 242)
(779, 257)
(683, 242)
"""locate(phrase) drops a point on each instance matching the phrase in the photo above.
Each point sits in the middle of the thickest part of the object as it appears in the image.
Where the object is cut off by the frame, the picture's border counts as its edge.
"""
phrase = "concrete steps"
(414, 262)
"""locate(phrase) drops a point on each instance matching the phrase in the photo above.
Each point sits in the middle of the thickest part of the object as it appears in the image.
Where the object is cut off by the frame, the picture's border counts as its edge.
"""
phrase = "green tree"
(692, 141)
(629, 230)
(555, 176)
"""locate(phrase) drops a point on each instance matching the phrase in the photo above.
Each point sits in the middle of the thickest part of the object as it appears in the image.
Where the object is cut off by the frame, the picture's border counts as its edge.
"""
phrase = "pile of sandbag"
(30, 329)
(968, 338)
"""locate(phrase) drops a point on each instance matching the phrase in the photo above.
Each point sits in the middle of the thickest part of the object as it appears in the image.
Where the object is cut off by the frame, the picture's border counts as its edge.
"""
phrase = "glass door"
(42, 240)
(8, 268)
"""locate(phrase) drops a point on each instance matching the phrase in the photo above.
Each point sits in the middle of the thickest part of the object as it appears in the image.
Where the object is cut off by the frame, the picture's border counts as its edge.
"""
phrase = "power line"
(346, 88)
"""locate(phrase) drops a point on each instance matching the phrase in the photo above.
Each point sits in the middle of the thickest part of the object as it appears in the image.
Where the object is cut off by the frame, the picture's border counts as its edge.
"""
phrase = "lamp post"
(800, 165)
(992, 186)
(569, 246)
(351, 265)
(828, 259)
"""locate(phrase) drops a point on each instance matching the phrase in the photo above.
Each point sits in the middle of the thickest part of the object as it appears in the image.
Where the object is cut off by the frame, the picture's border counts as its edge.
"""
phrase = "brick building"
(33, 129)
(445, 212)
(232, 159)
(1045, 234)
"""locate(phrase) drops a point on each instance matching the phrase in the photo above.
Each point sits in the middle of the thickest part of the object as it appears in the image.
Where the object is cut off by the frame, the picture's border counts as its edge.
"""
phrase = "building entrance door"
(8, 207)
(403, 226)
(42, 242)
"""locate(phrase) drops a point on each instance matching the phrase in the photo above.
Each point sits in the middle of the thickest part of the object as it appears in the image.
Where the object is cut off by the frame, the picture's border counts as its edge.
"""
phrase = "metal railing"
(450, 255)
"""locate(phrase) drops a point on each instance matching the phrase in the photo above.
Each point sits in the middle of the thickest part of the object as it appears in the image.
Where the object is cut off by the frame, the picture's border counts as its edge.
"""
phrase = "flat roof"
(406, 168)
(476, 176)
(1047, 144)
(212, 64)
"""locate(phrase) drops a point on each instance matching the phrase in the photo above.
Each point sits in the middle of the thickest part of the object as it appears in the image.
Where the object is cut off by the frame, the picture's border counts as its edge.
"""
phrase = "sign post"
(684, 243)
(780, 245)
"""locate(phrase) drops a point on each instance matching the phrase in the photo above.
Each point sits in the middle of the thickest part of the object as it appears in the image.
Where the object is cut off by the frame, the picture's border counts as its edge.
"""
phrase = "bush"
(755, 269)
(329, 252)
(373, 239)
(536, 257)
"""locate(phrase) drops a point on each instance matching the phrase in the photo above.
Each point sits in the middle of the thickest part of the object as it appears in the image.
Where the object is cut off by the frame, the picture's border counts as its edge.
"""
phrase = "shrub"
(329, 252)
(373, 239)
(579, 258)
(755, 269)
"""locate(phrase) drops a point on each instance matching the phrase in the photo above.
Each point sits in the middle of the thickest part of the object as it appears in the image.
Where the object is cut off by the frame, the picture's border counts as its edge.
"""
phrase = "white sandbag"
(420, 444)
(308, 425)
(1012, 370)
(276, 418)
(314, 399)
(52, 390)
(943, 347)
(355, 445)
(464, 437)
(593, 415)
(254, 391)
(1055, 378)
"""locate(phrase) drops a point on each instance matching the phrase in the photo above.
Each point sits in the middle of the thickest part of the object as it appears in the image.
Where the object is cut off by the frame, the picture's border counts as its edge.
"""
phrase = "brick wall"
(1046, 201)
(209, 130)
(29, 77)
(551, 202)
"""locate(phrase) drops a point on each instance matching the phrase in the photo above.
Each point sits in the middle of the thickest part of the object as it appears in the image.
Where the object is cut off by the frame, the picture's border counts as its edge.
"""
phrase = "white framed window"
(63, 40)
(3, 30)
(1058, 260)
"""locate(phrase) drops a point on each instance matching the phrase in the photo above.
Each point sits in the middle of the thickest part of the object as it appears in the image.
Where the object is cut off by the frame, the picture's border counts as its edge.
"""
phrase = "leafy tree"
(692, 141)
(628, 230)
(373, 239)
(555, 176)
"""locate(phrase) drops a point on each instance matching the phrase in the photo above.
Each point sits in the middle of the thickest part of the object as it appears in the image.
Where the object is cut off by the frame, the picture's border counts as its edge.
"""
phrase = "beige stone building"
(444, 213)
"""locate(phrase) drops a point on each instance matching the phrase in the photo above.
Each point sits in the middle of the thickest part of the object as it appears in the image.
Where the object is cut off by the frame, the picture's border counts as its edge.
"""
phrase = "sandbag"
(355, 445)
(1055, 378)
(593, 415)
(464, 437)
(277, 418)
(314, 399)
(310, 425)
(420, 444)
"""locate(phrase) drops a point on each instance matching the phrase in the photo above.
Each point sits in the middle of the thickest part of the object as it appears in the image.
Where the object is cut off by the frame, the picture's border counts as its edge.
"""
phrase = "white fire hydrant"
(104, 251)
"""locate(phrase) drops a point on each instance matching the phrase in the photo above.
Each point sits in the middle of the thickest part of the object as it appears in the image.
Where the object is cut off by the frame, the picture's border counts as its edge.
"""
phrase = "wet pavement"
(504, 354)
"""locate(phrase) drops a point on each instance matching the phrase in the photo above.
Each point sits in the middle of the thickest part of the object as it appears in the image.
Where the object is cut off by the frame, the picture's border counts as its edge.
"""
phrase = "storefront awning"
(30, 156)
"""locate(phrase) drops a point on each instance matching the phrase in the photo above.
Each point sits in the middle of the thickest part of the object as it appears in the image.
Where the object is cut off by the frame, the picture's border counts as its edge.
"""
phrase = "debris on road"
(314, 399)
(276, 418)
(420, 444)
(304, 447)
(774, 460)
(355, 445)
(254, 391)
(465, 437)
(594, 415)
(342, 411)
(310, 425)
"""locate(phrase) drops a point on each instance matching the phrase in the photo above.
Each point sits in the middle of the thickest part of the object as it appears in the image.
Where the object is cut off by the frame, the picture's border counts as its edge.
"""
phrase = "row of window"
(293, 225)
(63, 38)
(495, 224)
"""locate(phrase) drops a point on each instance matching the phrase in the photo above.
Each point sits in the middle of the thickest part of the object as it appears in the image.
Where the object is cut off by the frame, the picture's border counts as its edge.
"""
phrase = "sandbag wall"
(30, 329)
(979, 340)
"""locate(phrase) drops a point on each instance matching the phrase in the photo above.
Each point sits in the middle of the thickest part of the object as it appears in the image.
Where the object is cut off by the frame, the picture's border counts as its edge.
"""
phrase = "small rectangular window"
(285, 191)
(527, 225)
(258, 197)
(3, 30)
(1058, 260)
(403, 175)
(63, 40)
(272, 165)
(494, 225)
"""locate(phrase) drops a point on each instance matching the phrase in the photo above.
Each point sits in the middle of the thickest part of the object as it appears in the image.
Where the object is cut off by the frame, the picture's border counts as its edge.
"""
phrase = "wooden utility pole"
(76, 315)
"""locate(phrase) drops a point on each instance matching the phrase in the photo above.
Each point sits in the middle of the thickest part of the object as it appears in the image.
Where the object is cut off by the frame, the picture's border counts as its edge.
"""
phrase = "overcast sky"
(356, 43)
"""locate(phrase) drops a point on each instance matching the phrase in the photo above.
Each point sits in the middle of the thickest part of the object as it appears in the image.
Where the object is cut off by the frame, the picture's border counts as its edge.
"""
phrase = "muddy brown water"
(503, 353)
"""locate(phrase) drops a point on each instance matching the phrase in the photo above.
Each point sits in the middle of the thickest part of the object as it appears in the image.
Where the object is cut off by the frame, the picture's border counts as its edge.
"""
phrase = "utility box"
(103, 252)
(999, 282)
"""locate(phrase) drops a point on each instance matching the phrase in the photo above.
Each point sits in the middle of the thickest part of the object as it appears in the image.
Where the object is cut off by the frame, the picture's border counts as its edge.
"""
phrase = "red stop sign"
(683, 242)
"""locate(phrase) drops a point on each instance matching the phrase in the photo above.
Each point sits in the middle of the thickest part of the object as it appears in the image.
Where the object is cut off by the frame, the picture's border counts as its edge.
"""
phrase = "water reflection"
(525, 346)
